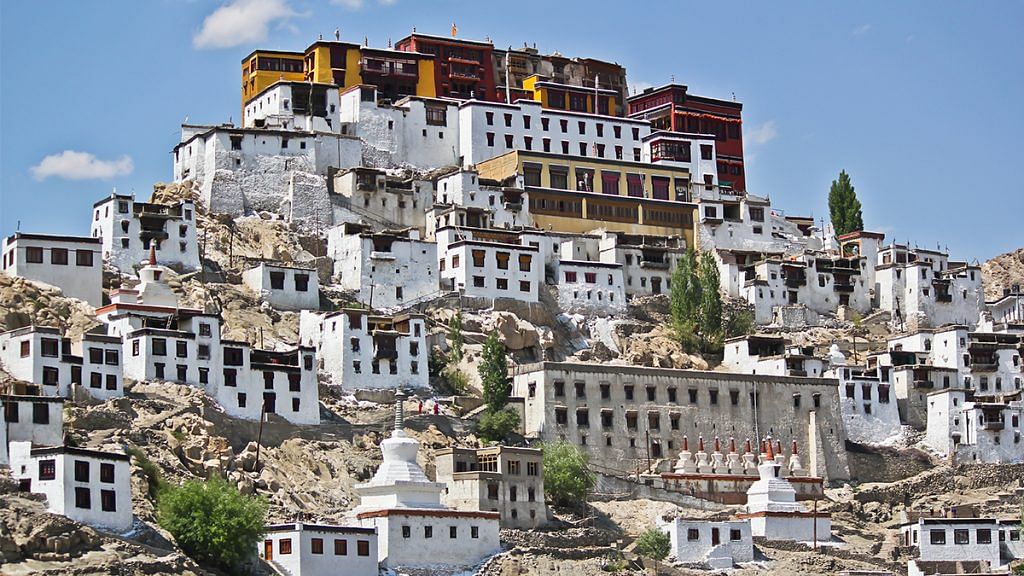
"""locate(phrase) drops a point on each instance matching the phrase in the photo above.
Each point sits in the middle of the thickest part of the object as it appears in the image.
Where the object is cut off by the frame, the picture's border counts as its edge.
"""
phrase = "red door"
(268, 550)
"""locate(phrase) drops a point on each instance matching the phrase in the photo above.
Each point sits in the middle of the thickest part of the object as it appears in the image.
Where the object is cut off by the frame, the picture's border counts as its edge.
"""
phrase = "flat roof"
(445, 39)
(274, 53)
(298, 526)
(647, 166)
(75, 451)
(53, 238)
(683, 87)
(673, 372)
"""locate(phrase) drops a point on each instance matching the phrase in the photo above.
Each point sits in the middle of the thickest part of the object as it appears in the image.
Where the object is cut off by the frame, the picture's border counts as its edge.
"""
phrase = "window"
(51, 376)
(490, 139)
(757, 214)
(47, 469)
(83, 257)
(81, 471)
(181, 349)
(108, 501)
(159, 347)
(961, 536)
(628, 389)
(428, 531)
(284, 546)
(692, 535)
(531, 468)
(490, 118)
(317, 545)
(713, 394)
(561, 416)
(40, 413)
(302, 282)
(50, 347)
(984, 536)
(294, 382)
(340, 547)
(26, 348)
(474, 532)
(502, 258)
(937, 537)
(241, 399)
(363, 547)
(502, 283)
(406, 532)
(508, 141)
(524, 286)
(582, 417)
(83, 498)
(34, 255)
(59, 256)
(693, 395)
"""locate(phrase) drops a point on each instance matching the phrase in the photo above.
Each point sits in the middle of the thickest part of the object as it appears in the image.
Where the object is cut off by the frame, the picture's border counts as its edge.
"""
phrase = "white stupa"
(773, 510)
(399, 482)
(414, 529)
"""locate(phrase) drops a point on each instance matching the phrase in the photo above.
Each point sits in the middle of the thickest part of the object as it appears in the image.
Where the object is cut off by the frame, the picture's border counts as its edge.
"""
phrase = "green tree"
(685, 299)
(212, 521)
(566, 476)
(493, 372)
(455, 339)
(497, 426)
(843, 206)
(710, 308)
(654, 544)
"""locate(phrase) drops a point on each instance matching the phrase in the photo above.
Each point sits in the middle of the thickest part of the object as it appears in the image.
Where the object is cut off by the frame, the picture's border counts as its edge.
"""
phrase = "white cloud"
(862, 29)
(240, 22)
(72, 165)
(761, 134)
(358, 4)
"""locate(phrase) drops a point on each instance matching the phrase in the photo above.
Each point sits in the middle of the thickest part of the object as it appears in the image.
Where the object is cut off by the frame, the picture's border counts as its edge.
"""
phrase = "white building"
(694, 152)
(771, 355)
(968, 429)
(869, 404)
(302, 549)
(502, 479)
(592, 288)
(38, 420)
(360, 350)
(648, 262)
(773, 511)
(297, 106)
(480, 267)
(489, 129)
(819, 281)
(87, 486)
(127, 229)
(462, 199)
(416, 132)
(243, 170)
(71, 263)
(385, 270)
(1008, 309)
(414, 528)
(719, 545)
(188, 349)
(944, 541)
(923, 288)
(285, 287)
(371, 196)
(56, 366)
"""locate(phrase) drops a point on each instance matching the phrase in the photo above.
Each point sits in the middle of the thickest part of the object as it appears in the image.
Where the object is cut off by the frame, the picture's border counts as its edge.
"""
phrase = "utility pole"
(647, 434)
(815, 528)
(259, 434)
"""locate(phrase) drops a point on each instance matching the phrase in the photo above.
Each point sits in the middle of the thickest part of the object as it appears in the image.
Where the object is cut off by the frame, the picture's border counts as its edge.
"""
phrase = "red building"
(463, 67)
(670, 107)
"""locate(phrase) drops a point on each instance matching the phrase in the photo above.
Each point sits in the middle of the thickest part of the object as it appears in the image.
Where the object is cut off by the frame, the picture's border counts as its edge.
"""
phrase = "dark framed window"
(83, 498)
(317, 545)
(108, 500)
(47, 469)
(59, 256)
(83, 257)
(340, 547)
(363, 547)
(40, 413)
(81, 471)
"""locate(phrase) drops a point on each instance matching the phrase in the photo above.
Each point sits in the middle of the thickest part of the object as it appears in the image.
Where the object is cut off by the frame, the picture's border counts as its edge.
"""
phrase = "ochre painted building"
(394, 73)
(558, 96)
(580, 194)
(263, 68)
(672, 108)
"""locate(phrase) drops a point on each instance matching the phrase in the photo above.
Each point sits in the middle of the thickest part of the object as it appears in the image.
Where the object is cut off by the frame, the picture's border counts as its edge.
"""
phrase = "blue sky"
(920, 101)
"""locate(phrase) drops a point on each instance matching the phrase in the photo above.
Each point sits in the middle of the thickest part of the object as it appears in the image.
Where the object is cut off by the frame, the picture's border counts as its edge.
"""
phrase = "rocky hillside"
(1002, 272)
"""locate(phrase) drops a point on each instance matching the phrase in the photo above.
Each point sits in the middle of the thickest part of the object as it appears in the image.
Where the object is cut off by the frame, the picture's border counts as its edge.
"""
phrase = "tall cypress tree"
(494, 373)
(843, 206)
(710, 311)
(685, 298)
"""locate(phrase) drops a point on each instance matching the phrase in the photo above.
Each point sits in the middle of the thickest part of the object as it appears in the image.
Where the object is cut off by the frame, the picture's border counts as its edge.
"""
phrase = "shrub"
(654, 544)
(498, 426)
(153, 477)
(566, 476)
(457, 380)
(212, 521)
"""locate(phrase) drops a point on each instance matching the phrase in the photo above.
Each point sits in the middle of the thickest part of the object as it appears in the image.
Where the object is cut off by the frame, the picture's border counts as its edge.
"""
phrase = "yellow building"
(262, 68)
(395, 73)
(572, 98)
(580, 194)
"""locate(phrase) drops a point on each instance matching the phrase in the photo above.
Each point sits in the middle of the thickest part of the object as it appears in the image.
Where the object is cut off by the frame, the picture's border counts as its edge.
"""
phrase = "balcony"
(378, 255)
(847, 288)
(993, 425)
(654, 264)
(927, 384)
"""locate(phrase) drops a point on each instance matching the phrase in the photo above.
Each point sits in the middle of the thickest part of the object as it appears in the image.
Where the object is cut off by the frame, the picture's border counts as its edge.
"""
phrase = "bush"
(457, 380)
(566, 476)
(153, 477)
(498, 426)
(654, 544)
(212, 521)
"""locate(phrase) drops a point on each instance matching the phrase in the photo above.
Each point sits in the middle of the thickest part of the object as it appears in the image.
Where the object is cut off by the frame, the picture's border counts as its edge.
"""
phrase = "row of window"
(284, 546)
(563, 123)
(357, 367)
(58, 256)
(513, 493)
(652, 393)
(571, 277)
(597, 149)
(961, 536)
(301, 281)
(40, 412)
(428, 532)
(48, 471)
(501, 283)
